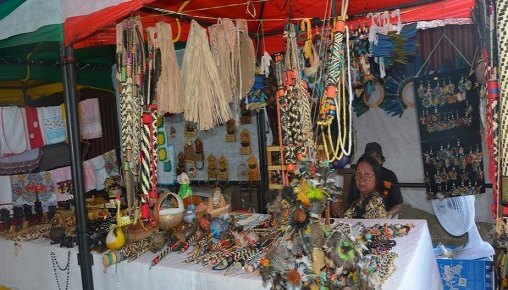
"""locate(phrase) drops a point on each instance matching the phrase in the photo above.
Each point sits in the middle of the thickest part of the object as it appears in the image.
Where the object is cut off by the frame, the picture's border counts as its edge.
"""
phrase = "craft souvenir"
(190, 130)
(253, 171)
(217, 203)
(222, 173)
(189, 153)
(200, 154)
(231, 131)
(212, 167)
(181, 163)
(245, 115)
(170, 217)
(185, 189)
(245, 142)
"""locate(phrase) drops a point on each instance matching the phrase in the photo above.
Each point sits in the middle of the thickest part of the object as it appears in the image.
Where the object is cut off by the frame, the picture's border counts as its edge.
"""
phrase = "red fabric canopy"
(99, 28)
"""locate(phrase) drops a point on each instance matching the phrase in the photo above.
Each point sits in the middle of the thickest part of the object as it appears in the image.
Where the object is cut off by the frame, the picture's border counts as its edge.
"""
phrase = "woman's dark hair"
(377, 170)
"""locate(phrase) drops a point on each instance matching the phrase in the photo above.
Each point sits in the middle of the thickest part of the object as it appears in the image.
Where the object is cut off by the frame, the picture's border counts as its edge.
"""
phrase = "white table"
(32, 268)
(416, 265)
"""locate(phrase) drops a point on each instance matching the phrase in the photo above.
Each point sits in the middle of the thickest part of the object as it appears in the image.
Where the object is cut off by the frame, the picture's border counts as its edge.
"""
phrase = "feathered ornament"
(294, 278)
(317, 235)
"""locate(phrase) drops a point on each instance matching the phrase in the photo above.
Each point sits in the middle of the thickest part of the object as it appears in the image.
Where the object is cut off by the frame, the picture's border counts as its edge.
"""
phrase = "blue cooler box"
(466, 274)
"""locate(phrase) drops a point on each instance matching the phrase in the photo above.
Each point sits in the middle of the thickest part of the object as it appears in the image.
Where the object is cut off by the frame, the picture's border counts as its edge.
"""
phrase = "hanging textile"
(13, 131)
(166, 170)
(247, 60)
(26, 189)
(170, 97)
(34, 128)
(205, 104)
(21, 163)
(62, 178)
(5, 191)
(52, 124)
(99, 165)
(222, 57)
(111, 163)
(90, 119)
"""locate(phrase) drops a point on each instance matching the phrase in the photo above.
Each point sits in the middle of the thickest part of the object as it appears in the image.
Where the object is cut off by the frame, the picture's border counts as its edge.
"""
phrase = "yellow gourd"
(115, 238)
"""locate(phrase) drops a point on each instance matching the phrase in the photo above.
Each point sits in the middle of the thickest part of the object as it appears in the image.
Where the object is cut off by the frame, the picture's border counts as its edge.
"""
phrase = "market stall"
(281, 100)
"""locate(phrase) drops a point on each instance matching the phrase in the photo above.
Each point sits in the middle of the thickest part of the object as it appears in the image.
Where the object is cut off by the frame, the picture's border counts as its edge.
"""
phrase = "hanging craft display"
(222, 56)
(450, 134)
(166, 169)
(190, 130)
(253, 171)
(206, 104)
(338, 96)
(231, 129)
(199, 155)
(245, 115)
(180, 168)
(131, 66)
(170, 97)
(245, 142)
(222, 173)
(188, 150)
(212, 167)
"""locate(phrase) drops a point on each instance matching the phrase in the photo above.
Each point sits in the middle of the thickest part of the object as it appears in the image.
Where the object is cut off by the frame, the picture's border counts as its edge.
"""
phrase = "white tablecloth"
(32, 268)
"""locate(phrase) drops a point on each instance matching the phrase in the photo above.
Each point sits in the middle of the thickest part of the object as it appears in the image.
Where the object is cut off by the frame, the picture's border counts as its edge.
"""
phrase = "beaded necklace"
(67, 268)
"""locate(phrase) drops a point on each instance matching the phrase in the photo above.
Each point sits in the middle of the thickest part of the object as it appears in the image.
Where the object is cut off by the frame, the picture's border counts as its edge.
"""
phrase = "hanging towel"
(13, 135)
(90, 119)
(63, 183)
(26, 186)
(21, 163)
(100, 171)
(5, 191)
(89, 173)
(34, 129)
(52, 124)
(61, 174)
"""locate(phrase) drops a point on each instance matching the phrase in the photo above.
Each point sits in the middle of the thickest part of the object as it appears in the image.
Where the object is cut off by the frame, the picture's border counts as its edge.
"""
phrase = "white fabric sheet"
(32, 268)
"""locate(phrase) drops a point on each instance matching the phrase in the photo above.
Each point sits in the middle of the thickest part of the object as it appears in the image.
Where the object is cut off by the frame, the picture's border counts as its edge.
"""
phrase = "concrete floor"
(438, 234)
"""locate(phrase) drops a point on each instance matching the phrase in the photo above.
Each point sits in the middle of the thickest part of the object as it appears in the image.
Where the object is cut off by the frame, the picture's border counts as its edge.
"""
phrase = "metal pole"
(85, 259)
(263, 169)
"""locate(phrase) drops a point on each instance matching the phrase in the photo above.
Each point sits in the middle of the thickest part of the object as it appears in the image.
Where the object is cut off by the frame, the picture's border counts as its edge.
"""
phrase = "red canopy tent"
(265, 17)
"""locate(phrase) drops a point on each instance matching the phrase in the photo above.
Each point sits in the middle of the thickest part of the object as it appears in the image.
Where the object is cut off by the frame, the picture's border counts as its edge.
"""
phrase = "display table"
(33, 268)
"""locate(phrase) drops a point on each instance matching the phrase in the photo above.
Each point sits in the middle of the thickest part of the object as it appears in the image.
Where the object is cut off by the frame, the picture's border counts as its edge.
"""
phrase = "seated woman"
(368, 181)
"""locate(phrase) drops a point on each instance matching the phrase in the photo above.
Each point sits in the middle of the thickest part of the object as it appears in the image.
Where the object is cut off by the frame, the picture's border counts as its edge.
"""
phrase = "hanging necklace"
(67, 268)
